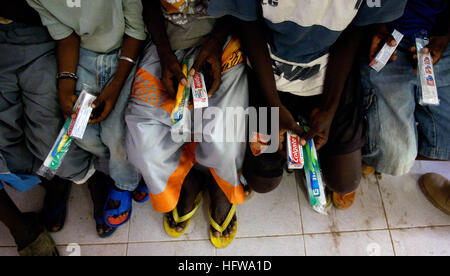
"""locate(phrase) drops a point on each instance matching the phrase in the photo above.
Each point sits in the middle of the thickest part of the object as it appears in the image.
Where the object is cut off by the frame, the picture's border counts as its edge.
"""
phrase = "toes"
(100, 230)
(215, 233)
(139, 195)
(55, 228)
(170, 220)
(107, 229)
(179, 229)
(103, 229)
(116, 220)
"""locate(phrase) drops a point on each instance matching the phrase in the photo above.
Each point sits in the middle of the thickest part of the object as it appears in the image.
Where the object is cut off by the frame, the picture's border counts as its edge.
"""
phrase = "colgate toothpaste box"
(199, 93)
(294, 151)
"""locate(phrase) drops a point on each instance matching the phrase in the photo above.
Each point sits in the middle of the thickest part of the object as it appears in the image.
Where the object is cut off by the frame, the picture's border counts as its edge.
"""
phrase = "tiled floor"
(390, 217)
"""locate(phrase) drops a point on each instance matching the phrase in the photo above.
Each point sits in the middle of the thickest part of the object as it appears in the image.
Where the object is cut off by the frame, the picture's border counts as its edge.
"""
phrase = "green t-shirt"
(101, 24)
(188, 22)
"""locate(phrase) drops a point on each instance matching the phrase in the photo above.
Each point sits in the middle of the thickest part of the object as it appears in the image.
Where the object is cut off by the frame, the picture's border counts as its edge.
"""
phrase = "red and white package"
(199, 93)
(294, 151)
(259, 143)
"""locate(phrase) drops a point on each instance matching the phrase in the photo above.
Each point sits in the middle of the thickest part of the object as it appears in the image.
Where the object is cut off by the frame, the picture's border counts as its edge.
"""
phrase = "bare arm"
(68, 51)
(130, 49)
(171, 69)
(255, 45)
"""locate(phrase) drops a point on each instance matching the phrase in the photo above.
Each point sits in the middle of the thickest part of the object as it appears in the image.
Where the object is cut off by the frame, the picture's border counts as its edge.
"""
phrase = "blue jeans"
(106, 140)
(398, 127)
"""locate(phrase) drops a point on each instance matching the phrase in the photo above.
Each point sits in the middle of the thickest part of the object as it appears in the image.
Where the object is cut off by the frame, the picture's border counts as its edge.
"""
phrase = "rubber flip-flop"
(101, 221)
(223, 242)
(188, 217)
(142, 188)
(50, 216)
(125, 205)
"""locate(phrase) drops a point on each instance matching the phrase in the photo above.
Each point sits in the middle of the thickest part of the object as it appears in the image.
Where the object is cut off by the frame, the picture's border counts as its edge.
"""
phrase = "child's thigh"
(389, 104)
(92, 142)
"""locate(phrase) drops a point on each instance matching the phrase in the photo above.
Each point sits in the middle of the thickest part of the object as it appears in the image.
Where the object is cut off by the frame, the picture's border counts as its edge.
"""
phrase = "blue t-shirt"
(421, 15)
(302, 32)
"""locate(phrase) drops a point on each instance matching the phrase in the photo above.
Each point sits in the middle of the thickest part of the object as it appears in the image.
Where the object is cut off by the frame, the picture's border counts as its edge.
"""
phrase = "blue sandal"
(142, 188)
(111, 215)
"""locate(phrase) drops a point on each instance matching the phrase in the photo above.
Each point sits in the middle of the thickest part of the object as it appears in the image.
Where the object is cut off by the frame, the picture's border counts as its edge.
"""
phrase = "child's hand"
(210, 56)
(436, 47)
(287, 122)
(172, 74)
(67, 98)
(381, 37)
(319, 127)
(105, 102)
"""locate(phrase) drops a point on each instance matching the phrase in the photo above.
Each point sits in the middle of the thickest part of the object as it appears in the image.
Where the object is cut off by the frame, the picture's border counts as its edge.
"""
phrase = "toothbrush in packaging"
(313, 175)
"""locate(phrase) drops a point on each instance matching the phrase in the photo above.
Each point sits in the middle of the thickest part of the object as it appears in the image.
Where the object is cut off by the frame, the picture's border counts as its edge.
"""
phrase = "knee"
(344, 184)
(342, 173)
(261, 184)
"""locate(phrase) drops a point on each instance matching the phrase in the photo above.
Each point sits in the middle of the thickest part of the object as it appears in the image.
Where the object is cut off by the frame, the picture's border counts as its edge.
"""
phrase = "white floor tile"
(29, 201)
(366, 213)
(405, 204)
(77, 250)
(274, 213)
(8, 251)
(423, 167)
(93, 250)
(80, 223)
(433, 241)
(147, 225)
(370, 243)
(177, 248)
(265, 246)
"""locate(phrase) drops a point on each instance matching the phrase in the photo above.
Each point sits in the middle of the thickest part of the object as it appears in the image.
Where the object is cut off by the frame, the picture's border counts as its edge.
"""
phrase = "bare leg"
(22, 226)
(220, 206)
(98, 187)
(192, 186)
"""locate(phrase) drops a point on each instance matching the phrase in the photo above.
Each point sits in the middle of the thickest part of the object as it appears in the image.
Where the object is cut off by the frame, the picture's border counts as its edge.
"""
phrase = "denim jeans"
(399, 128)
(30, 115)
(106, 140)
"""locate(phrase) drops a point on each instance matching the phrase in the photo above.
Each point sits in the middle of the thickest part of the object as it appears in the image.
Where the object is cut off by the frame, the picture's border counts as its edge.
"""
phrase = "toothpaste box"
(386, 52)
(426, 74)
(294, 151)
(83, 113)
(199, 93)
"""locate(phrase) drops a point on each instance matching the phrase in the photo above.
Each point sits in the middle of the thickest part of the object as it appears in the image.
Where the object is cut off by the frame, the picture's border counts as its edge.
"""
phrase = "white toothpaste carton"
(426, 74)
(294, 151)
(83, 113)
(199, 93)
(386, 52)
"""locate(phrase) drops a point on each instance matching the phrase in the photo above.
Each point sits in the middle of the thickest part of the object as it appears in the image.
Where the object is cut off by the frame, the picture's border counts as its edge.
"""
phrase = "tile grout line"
(252, 237)
(385, 215)
(297, 188)
(128, 239)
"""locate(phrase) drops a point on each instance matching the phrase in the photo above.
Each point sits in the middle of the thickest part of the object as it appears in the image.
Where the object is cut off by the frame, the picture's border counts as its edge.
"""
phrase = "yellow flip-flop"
(188, 217)
(222, 241)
